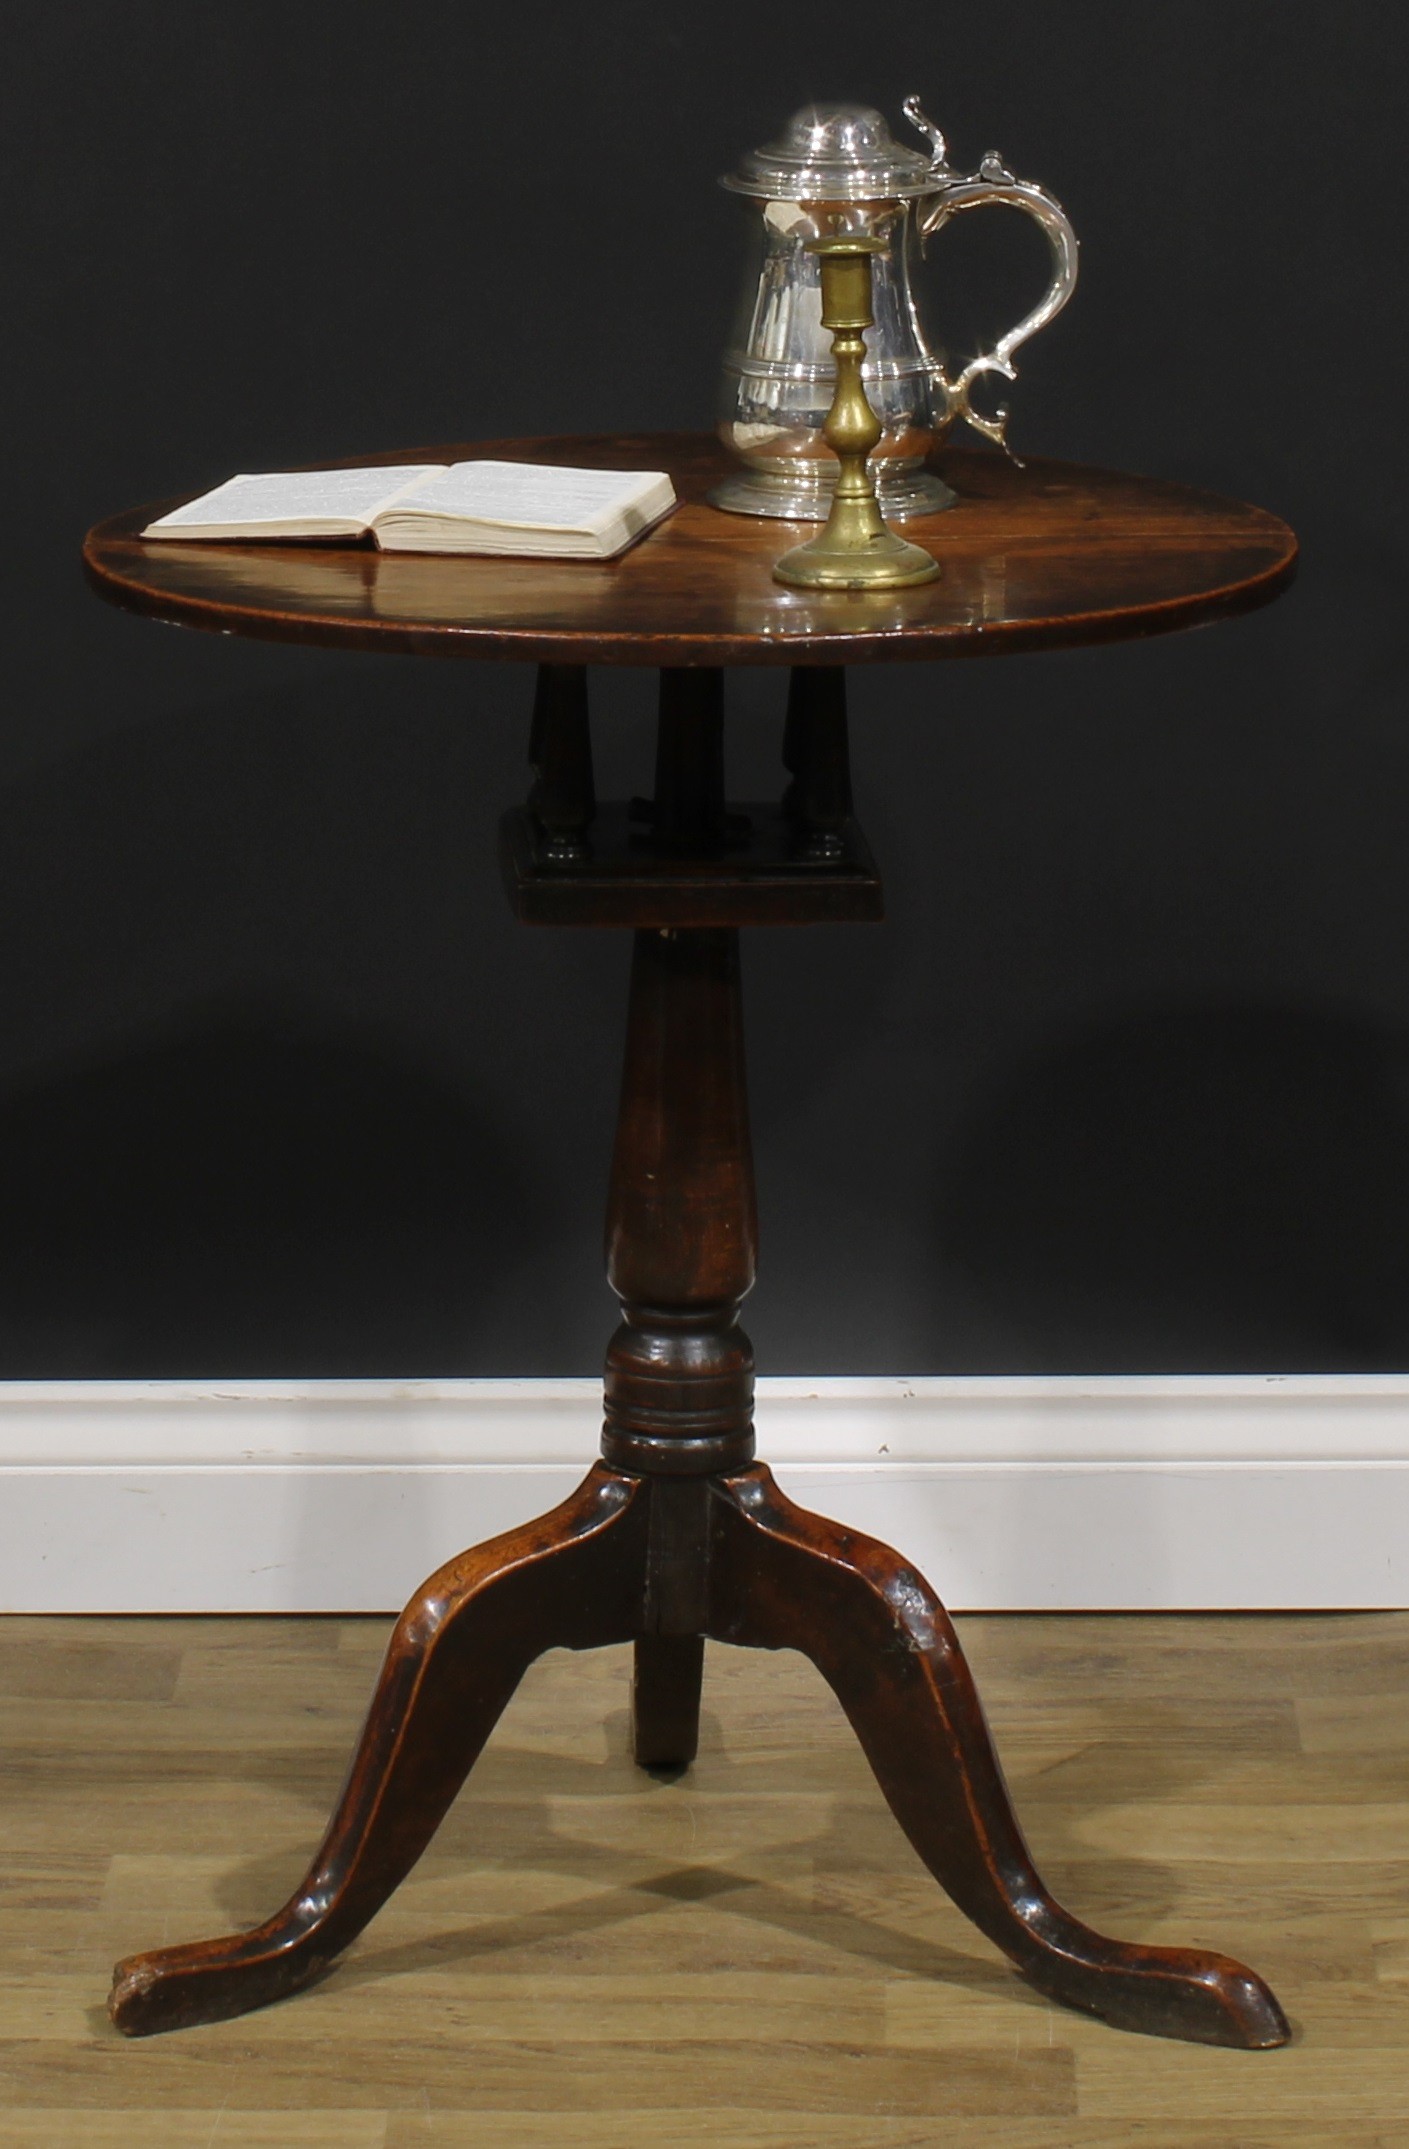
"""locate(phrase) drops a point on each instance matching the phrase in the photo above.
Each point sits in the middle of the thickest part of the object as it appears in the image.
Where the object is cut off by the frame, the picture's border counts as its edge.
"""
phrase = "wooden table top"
(1050, 555)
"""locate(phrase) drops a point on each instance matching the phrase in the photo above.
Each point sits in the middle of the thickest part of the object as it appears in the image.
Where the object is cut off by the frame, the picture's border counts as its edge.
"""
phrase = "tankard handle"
(958, 191)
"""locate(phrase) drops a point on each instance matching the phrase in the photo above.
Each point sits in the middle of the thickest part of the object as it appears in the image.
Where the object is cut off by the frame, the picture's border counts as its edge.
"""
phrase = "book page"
(534, 496)
(342, 497)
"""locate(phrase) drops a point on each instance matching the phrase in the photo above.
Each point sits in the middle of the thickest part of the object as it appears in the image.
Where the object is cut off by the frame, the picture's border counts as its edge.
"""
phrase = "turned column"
(681, 1246)
(681, 1222)
(682, 1237)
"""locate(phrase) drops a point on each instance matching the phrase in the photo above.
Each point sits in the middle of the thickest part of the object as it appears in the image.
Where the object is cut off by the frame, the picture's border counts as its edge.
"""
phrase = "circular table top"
(1040, 557)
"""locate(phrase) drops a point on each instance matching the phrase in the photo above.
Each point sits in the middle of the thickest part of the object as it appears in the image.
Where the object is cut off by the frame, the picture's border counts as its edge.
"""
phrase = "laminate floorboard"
(748, 1958)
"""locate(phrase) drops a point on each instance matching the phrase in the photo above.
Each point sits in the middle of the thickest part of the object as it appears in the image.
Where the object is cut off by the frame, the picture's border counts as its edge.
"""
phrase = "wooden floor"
(748, 1958)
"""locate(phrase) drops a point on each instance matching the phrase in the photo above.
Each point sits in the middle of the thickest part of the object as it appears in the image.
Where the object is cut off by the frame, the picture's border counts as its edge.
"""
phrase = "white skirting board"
(1051, 1494)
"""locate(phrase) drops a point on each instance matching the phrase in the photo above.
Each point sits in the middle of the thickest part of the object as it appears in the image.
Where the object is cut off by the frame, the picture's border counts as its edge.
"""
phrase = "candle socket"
(855, 550)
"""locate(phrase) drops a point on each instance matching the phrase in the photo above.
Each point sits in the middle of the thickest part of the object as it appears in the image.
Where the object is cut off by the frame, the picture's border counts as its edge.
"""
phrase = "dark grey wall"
(283, 1089)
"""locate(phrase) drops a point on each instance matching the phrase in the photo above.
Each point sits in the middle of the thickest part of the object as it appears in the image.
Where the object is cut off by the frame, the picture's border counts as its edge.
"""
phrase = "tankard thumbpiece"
(837, 171)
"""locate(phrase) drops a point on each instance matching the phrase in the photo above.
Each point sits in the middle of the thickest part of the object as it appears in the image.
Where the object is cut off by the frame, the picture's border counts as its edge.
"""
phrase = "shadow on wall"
(1193, 1190)
(246, 1200)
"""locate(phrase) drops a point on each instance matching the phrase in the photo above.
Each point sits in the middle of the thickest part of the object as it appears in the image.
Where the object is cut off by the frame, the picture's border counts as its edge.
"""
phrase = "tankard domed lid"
(833, 152)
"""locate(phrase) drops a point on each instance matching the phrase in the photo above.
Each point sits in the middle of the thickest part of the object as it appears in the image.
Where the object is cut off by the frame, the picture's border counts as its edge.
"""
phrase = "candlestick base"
(880, 561)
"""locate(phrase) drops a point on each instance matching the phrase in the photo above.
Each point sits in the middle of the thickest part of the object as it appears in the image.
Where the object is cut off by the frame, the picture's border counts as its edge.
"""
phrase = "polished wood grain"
(750, 1957)
(1033, 558)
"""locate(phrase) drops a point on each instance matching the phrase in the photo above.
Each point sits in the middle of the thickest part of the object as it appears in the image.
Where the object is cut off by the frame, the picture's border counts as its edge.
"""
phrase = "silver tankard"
(838, 169)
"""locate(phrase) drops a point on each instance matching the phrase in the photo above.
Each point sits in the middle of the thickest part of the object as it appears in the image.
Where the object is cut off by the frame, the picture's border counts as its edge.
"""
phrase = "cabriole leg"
(571, 1580)
(665, 1700)
(782, 1578)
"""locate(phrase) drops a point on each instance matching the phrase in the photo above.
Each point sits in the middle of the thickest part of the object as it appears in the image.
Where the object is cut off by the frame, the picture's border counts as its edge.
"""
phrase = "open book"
(436, 507)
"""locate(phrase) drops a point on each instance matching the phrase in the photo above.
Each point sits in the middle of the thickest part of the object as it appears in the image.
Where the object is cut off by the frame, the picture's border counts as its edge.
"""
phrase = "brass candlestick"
(856, 550)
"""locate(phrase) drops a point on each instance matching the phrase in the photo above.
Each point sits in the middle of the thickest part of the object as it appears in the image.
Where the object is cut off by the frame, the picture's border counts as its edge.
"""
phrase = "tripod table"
(677, 1533)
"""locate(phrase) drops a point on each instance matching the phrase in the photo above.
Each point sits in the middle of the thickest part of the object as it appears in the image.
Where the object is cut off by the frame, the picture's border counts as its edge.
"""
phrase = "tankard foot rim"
(757, 492)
